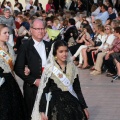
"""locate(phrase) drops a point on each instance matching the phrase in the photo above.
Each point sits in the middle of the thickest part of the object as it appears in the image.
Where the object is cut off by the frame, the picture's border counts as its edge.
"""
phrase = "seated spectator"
(99, 40)
(71, 30)
(56, 24)
(80, 6)
(87, 39)
(113, 53)
(24, 26)
(95, 23)
(115, 23)
(103, 51)
(112, 15)
(108, 22)
(95, 10)
(118, 18)
(117, 63)
(71, 5)
(77, 22)
(103, 16)
(22, 31)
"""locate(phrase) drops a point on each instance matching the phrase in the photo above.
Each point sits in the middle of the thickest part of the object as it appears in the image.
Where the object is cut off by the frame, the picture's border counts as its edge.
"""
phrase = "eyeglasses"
(38, 29)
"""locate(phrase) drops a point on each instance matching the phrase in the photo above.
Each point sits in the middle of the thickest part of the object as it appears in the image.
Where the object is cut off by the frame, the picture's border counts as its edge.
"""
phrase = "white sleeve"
(110, 39)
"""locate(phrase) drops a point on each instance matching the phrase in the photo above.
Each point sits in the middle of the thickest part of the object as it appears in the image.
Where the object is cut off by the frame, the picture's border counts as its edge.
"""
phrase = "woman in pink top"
(50, 6)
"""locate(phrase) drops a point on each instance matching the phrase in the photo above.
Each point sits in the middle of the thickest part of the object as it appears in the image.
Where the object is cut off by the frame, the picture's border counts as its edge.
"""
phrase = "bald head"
(37, 29)
(31, 2)
(36, 21)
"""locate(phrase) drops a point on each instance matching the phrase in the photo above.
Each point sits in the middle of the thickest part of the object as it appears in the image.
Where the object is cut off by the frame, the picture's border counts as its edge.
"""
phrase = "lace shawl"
(3, 64)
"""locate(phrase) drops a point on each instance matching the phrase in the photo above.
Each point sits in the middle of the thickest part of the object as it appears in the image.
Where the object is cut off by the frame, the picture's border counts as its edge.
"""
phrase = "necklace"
(64, 71)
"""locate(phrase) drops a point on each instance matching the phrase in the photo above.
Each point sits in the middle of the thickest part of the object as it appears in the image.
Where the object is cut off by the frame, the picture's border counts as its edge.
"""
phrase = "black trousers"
(110, 64)
(29, 97)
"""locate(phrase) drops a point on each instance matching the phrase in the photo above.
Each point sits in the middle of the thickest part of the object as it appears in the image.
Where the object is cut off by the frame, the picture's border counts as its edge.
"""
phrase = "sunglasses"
(107, 29)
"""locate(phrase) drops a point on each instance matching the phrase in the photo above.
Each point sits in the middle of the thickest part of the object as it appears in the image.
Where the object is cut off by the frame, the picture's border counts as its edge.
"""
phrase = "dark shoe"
(116, 76)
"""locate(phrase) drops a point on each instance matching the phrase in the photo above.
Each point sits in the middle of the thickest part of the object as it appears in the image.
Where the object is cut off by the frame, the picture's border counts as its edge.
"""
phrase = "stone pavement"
(102, 96)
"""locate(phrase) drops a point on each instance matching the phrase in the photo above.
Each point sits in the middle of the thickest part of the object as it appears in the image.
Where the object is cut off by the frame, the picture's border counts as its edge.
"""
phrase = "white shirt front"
(28, 6)
(103, 17)
(40, 47)
(110, 39)
(102, 38)
(17, 9)
(96, 12)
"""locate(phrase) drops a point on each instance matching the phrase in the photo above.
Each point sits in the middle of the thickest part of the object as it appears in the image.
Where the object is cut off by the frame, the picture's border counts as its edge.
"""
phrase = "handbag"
(98, 42)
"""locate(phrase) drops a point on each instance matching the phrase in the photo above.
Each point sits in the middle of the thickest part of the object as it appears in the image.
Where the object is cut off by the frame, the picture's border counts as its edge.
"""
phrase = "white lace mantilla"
(47, 73)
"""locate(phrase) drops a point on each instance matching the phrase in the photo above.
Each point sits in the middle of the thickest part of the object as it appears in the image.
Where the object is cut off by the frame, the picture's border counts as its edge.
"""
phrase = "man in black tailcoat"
(33, 54)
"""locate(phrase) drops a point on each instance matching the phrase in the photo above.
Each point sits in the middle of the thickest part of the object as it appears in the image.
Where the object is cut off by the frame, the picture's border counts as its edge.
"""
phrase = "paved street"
(102, 96)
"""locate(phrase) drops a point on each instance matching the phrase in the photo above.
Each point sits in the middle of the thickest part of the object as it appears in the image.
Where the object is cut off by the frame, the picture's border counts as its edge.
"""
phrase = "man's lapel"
(47, 49)
(33, 48)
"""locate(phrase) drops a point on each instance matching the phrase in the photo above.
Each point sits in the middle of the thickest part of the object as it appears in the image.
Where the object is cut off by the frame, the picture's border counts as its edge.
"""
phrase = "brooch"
(60, 75)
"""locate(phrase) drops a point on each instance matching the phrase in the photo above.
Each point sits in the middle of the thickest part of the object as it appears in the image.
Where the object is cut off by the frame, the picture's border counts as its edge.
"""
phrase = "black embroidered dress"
(11, 99)
(63, 105)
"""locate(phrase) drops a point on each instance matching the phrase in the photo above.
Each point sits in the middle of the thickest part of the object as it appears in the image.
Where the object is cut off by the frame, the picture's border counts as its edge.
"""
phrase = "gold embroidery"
(9, 61)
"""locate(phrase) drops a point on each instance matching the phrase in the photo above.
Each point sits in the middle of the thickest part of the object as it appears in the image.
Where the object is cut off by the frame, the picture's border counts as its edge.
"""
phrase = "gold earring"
(55, 57)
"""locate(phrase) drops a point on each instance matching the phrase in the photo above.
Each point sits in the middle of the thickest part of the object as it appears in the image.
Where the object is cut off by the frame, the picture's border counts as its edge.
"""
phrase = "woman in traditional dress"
(11, 100)
(60, 77)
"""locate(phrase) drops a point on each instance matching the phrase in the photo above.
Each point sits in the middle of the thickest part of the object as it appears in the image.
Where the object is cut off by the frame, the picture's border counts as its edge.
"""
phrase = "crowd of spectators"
(94, 40)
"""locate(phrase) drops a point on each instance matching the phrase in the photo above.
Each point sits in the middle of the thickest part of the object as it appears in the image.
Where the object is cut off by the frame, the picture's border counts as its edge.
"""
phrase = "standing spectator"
(35, 5)
(40, 8)
(32, 53)
(28, 5)
(9, 6)
(0, 9)
(17, 8)
(9, 21)
(21, 7)
(56, 3)
(50, 6)
(62, 4)
(4, 3)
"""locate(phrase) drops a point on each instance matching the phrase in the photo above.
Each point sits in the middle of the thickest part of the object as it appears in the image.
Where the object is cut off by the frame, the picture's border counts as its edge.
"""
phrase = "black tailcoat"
(28, 55)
